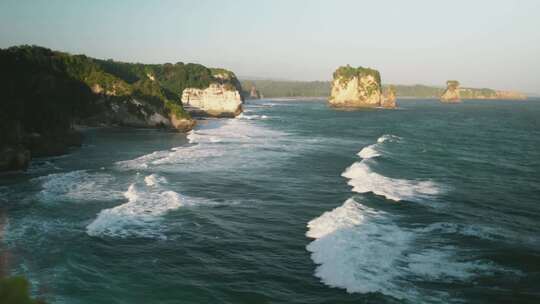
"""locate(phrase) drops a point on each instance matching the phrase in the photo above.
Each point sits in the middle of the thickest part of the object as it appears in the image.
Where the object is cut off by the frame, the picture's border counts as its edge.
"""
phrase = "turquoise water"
(292, 203)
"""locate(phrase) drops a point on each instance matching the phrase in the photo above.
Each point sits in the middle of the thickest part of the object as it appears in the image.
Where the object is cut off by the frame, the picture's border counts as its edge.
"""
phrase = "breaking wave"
(147, 203)
(78, 185)
(215, 145)
(356, 248)
(364, 180)
(250, 117)
(363, 250)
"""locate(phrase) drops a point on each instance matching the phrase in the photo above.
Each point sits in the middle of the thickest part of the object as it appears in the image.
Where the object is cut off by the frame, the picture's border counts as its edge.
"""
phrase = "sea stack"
(358, 88)
(254, 93)
(389, 98)
(451, 94)
(222, 98)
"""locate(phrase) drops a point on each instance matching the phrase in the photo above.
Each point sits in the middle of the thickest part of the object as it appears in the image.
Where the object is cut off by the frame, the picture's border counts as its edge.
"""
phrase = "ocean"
(292, 202)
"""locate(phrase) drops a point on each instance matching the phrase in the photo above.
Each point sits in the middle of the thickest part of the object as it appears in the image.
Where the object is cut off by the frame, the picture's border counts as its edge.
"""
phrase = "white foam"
(373, 150)
(250, 117)
(388, 137)
(346, 216)
(154, 180)
(76, 186)
(364, 180)
(357, 248)
(369, 152)
(141, 214)
(363, 250)
(216, 145)
(200, 137)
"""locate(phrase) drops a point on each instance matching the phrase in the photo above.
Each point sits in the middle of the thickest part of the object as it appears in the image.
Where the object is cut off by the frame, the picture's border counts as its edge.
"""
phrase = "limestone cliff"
(358, 87)
(222, 98)
(451, 94)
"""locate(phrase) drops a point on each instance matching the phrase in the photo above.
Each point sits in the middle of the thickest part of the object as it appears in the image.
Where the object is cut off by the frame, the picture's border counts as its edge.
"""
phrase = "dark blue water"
(294, 202)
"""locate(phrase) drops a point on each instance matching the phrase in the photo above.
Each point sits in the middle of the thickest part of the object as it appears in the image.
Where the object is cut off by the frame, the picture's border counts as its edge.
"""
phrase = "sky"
(481, 43)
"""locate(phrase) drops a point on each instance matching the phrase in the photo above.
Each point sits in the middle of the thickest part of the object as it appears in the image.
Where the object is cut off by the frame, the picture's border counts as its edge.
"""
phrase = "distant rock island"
(293, 88)
(454, 93)
(389, 97)
(359, 87)
(451, 94)
(254, 93)
(46, 94)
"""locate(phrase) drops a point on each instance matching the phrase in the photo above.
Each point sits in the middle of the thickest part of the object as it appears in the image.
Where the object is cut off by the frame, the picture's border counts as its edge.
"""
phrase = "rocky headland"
(222, 98)
(46, 93)
(357, 88)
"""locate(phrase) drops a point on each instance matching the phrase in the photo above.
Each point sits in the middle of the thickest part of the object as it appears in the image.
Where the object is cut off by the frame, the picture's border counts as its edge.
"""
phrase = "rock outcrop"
(254, 93)
(389, 98)
(46, 93)
(138, 113)
(358, 87)
(222, 98)
(451, 94)
(15, 157)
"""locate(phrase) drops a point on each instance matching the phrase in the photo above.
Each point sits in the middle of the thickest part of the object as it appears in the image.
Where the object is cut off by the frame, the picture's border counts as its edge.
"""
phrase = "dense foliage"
(452, 83)
(15, 290)
(47, 91)
(39, 92)
(346, 73)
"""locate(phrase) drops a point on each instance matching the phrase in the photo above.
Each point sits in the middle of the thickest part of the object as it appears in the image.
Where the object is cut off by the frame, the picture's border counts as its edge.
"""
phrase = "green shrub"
(346, 73)
(15, 290)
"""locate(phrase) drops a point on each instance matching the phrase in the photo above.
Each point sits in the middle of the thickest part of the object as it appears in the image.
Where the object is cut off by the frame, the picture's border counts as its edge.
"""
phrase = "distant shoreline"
(299, 98)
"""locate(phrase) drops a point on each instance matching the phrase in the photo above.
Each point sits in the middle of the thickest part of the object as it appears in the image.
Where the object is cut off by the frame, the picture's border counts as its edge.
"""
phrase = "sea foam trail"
(363, 250)
(364, 180)
(250, 117)
(141, 215)
(78, 185)
(373, 150)
(216, 145)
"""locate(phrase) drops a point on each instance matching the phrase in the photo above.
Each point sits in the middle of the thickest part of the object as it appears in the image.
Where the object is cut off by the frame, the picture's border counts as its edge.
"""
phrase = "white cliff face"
(216, 100)
(356, 92)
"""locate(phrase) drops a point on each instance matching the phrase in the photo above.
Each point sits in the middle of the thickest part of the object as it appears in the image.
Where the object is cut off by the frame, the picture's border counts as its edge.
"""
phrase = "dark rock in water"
(52, 144)
(182, 124)
(14, 158)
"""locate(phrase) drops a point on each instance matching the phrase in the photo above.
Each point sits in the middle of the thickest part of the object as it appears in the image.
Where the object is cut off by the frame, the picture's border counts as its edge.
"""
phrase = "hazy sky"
(491, 43)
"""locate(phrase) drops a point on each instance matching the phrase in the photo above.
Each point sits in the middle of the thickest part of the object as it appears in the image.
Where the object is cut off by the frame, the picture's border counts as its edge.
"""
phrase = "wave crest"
(364, 180)
(140, 216)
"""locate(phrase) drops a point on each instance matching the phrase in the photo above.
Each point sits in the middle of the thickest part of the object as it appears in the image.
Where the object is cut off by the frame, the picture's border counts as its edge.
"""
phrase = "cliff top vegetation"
(346, 73)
